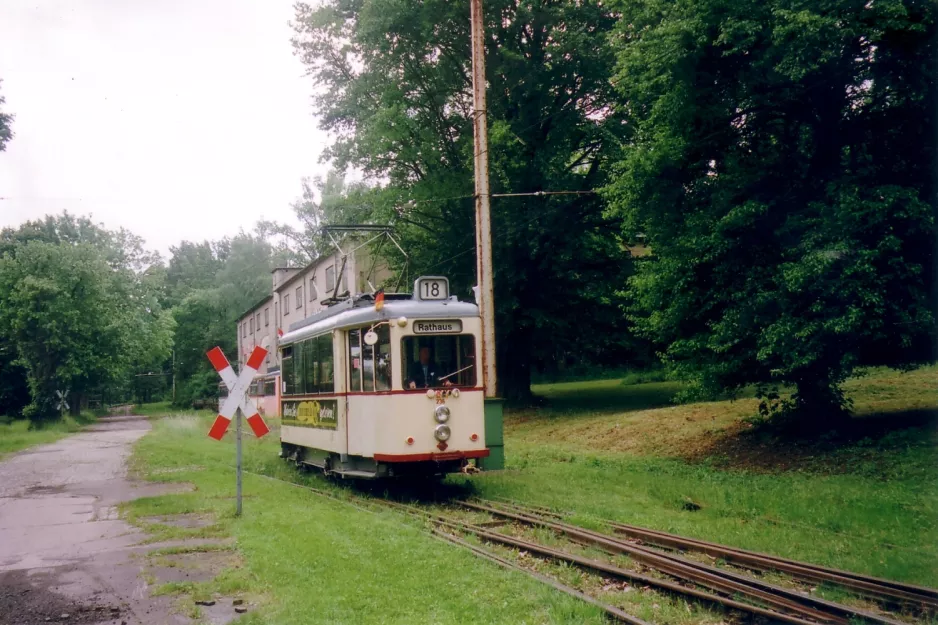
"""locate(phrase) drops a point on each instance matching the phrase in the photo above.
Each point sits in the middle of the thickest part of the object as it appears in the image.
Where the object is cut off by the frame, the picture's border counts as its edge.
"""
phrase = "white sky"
(177, 119)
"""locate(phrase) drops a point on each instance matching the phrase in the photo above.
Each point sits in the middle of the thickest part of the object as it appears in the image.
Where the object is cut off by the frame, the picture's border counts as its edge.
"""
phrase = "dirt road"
(65, 556)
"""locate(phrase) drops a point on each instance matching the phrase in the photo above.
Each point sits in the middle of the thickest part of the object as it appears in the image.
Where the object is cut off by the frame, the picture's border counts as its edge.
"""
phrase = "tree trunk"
(74, 404)
(514, 365)
(819, 405)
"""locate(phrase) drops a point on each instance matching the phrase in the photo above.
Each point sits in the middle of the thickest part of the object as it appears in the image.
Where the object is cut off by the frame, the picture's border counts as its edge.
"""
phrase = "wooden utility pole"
(482, 196)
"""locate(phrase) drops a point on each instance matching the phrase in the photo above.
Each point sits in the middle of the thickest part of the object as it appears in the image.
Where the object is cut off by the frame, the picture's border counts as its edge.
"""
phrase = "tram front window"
(438, 360)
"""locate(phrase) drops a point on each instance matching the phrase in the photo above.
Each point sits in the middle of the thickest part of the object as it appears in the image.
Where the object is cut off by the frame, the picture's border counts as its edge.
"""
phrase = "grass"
(864, 500)
(17, 435)
(164, 408)
(308, 557)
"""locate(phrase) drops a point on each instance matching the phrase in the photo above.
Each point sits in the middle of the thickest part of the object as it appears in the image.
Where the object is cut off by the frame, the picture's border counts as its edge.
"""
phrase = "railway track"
(718, 585)
(659, 560)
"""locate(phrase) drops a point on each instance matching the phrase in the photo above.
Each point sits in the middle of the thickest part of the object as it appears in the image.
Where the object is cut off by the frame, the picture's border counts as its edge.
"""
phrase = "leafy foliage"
(79, 310)
(394, 90)
(210, 285)
(779, 172)
(6, 133)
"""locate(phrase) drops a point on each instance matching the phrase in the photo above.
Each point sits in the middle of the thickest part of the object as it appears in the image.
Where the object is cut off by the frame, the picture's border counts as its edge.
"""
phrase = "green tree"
(212, 283)
(69, 326)
(132, 309)
(394, 89)
(782, 167)
(192, 266)
(6, 132)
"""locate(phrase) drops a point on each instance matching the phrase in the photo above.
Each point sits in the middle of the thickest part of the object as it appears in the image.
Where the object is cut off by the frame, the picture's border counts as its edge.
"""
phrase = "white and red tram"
(385, 386)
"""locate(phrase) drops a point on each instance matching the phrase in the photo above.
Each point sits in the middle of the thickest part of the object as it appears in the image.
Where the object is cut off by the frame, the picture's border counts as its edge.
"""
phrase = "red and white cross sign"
(237, 392)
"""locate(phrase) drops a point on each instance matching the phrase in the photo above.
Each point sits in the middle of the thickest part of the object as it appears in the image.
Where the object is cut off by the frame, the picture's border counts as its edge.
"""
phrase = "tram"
(385, 385)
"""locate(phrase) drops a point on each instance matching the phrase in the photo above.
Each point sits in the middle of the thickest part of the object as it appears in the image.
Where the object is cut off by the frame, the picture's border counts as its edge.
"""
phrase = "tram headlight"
(441, 414)
(441, 433)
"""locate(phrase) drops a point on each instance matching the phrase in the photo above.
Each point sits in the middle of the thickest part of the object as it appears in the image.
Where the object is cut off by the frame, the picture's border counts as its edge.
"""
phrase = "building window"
(266, 317)
(330, 278)
(244, 330)
(286, 304)
(299, 297)
(252, 324)
(312, 290)
(257, 322)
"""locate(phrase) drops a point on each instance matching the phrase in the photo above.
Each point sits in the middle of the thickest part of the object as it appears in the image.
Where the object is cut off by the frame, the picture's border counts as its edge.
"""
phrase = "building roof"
(251, 310)
(302, 271)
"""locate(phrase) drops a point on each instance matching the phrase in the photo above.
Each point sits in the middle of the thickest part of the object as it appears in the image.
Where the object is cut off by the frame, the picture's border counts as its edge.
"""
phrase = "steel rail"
(711, 577)
(594, 565)
(865, 584)
(614, 571)
(601, 567)
(610, 610)
(681, 570)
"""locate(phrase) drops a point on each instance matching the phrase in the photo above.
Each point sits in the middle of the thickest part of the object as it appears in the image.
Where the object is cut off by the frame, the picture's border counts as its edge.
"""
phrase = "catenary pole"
(482, 197)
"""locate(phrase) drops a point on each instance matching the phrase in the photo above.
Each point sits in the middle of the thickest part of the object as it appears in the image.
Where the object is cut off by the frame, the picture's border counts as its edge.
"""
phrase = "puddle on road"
(27, 598)
(44, 490)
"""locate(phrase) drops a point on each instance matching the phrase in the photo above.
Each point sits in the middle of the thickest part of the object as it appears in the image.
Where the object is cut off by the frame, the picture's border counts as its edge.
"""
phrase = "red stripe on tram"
(452, 455)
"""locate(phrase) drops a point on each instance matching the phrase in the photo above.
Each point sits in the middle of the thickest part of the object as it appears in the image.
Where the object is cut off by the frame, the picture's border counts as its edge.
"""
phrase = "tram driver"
(424, 373)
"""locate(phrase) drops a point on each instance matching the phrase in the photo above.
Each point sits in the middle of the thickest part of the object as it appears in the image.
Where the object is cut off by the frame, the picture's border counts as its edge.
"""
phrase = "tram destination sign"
(442, 326)
(430, 288)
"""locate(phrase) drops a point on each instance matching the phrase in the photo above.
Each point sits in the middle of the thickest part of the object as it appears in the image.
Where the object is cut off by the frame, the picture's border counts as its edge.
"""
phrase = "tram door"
(368, 383)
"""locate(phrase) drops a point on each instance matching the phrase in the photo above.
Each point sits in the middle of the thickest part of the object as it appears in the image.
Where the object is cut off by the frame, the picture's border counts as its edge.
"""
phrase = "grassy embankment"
(865, 500)
(17, 435)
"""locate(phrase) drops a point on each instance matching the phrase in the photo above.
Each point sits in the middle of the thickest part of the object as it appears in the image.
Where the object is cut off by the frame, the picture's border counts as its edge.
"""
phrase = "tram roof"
(361, 310)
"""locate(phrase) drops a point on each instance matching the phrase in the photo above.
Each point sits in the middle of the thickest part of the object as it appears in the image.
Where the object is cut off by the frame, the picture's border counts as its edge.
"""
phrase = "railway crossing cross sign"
(237, 393)
(62, 401)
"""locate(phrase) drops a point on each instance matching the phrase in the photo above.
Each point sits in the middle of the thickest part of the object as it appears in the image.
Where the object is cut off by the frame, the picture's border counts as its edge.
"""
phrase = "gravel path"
(65, 556)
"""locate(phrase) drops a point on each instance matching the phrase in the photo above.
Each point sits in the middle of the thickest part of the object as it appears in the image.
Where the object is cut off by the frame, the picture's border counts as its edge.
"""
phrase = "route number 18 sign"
(432, 288)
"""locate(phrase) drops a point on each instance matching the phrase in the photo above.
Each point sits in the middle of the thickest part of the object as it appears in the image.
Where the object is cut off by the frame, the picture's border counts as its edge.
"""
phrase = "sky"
(176, 119)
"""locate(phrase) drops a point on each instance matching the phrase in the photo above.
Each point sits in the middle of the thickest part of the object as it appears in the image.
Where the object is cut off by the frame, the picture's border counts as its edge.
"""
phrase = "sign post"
(238, 462)
(237, 404)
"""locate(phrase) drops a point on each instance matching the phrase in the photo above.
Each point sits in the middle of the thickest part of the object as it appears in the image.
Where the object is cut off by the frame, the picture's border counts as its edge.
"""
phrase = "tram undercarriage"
(358, 467)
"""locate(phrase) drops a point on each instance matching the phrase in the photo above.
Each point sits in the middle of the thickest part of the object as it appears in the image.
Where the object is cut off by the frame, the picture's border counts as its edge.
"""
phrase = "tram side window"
(286, 371)
(313, 361)
(300, 366)
(354, 360)
(326, 363)
(383, 359)
(370, 365)
(449, 358)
